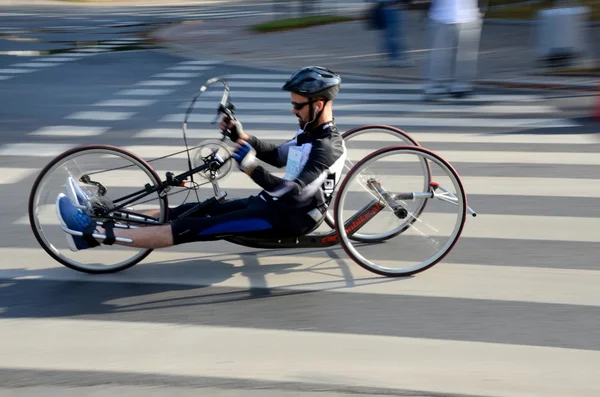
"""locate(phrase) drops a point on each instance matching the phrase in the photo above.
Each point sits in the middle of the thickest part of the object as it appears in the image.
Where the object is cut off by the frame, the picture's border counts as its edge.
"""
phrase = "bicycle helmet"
(314, 81)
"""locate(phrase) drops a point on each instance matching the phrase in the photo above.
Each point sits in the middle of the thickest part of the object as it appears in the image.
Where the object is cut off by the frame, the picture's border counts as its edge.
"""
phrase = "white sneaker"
(77, 195)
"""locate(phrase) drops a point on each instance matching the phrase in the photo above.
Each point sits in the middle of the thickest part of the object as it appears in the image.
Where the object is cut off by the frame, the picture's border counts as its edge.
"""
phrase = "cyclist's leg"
(256, 217)
(248, 215)
(217, 208)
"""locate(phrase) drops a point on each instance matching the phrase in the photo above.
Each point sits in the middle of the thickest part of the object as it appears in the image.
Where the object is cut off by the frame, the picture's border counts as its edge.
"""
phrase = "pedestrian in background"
(392, 25)
(454, 31)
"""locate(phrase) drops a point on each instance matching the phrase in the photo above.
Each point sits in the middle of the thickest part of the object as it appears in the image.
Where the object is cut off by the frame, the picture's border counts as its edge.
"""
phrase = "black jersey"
(314, 160)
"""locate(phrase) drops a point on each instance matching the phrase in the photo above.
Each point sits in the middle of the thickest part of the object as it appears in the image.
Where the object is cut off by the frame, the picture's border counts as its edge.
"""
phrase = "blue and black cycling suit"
(289, 206)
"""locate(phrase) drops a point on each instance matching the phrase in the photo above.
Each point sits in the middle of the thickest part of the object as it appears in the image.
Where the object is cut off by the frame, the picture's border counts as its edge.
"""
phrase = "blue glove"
(245, 156)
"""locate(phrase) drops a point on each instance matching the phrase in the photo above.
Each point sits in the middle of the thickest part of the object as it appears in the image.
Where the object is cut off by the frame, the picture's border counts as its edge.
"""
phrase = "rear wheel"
(117, 171)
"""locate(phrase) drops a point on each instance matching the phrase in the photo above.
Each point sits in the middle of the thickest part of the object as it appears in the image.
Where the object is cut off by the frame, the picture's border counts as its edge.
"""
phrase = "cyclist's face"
(300, 108)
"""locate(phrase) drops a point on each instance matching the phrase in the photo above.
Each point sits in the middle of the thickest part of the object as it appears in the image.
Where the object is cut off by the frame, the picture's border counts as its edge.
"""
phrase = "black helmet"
(314, 81)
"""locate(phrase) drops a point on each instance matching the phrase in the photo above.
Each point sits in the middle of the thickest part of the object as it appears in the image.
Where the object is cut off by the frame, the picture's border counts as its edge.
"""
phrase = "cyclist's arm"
(275, 155)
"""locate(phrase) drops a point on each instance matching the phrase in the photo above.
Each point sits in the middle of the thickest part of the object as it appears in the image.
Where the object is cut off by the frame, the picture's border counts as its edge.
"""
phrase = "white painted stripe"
(498, 186)
(35, 64)
(103, 116)
(189, 68)
(146, 92)
(421, 137)
(175, 133)
(500, 157)
(91, 50)
(16, 71)
(21, 53)
(131, 39)
(69, 130)
(57, 58)
(176, 75)
(119, 42)
(34, 149)
(283, 95)
(126, 102)
(201, 62)
(165, 83)
(342, 108)
(395, 121)
(5, 77)
(451, 280)
(14, 175)
(72, 55)
(433, 365)
(566, 139)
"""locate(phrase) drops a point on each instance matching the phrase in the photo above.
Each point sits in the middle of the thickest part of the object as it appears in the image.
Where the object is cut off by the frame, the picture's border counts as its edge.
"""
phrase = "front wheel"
(106, 174)
(383, 194)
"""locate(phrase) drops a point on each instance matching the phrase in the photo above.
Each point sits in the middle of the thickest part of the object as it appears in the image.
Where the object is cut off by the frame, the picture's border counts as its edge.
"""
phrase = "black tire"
(62, 159)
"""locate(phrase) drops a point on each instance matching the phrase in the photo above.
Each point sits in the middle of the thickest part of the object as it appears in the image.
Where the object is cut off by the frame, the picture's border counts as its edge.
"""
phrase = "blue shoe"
(74, 219)
(78, 197)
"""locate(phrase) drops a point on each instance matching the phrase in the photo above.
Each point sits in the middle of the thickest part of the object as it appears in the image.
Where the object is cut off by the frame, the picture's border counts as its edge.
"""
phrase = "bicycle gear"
(215, 153)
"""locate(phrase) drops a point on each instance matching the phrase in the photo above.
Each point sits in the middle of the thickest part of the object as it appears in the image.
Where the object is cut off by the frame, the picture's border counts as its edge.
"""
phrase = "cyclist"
(292, 205)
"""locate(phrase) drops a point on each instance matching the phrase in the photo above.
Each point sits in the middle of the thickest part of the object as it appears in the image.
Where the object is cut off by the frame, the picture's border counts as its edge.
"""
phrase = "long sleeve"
(266, 151)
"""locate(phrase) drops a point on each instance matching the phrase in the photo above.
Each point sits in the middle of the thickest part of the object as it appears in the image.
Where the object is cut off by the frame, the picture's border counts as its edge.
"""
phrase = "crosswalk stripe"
(16, 71)
(449, 280)
(189, 68)
(68, 130)
(162, 82)
(99, 115)
(498, 186)
(146, 91)
(343, 108)
(35, 64)
(126, 102)
(12, 175)
(485, 226)
(393, 120)
(421, 137)
(34, 149)
(319, 357)
(176, 75)
(200, 62)
(56, 58)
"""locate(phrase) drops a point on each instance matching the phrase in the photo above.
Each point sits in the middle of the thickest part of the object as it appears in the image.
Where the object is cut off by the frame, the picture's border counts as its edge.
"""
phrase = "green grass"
(298, 23)
(530, 11)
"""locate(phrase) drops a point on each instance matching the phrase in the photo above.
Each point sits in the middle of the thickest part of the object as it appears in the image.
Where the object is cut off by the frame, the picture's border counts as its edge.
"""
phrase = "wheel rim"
(46, 226)
(406, 249)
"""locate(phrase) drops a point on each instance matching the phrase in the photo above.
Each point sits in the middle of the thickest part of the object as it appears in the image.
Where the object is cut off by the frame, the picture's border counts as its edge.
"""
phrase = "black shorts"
(247, 216)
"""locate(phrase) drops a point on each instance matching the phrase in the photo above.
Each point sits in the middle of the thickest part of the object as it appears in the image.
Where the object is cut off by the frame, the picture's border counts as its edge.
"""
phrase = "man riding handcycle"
(116, 203)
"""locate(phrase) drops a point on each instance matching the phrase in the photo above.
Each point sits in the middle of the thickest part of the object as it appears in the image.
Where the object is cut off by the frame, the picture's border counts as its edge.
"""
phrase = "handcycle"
(382, 198)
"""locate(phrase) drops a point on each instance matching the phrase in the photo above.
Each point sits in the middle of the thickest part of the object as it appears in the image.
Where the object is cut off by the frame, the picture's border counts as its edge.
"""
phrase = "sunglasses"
(299, 106)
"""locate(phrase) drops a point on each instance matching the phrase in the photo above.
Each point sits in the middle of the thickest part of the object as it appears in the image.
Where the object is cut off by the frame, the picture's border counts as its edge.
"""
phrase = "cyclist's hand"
(232, 128)
(245, 156)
